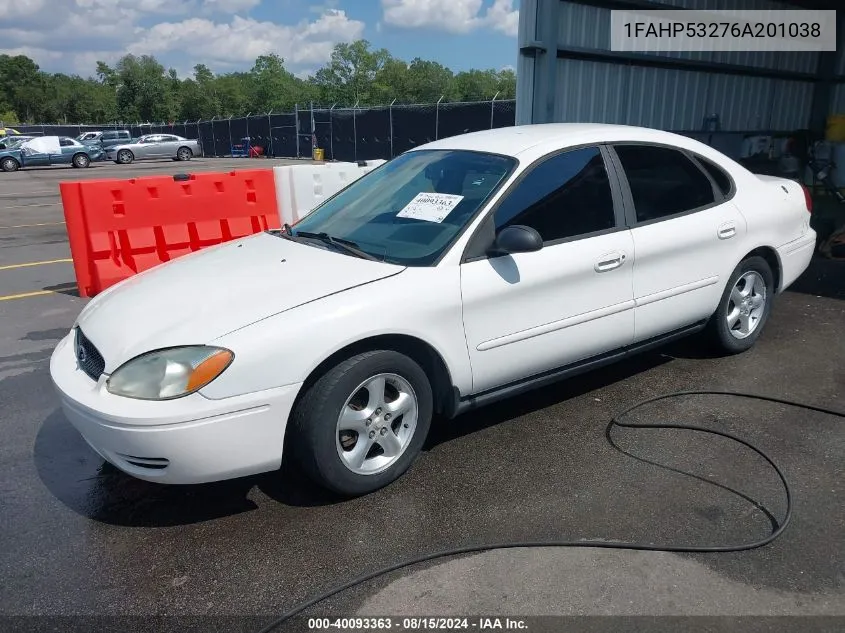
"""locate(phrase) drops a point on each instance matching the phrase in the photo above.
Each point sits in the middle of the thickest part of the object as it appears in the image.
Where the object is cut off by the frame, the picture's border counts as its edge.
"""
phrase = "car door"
(527, 313)
(686, 232)
(169, 146)
(160, 148)
(32, 158)
(67, 148)
(146, 147)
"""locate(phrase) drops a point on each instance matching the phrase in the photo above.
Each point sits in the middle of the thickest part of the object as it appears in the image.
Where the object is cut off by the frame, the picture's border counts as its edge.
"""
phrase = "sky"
(71, 35)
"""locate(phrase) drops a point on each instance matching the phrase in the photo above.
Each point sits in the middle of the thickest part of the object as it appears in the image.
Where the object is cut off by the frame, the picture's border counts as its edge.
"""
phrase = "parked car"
(461, 272)
(154, 146)
(63, 151)
(105, 139)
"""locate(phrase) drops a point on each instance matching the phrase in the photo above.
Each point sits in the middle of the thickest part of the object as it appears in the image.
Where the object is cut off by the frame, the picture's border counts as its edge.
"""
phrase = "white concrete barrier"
(300, 188)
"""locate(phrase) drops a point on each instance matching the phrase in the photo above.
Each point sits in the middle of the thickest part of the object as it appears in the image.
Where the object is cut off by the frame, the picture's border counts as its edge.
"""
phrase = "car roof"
(530, 141)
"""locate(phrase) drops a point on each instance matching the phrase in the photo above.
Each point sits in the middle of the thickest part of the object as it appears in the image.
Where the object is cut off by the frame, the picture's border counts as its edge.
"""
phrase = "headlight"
(169, 373)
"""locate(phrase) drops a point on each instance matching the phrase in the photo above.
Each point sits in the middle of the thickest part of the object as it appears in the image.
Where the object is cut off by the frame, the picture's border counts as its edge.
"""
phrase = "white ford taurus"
(460, 272)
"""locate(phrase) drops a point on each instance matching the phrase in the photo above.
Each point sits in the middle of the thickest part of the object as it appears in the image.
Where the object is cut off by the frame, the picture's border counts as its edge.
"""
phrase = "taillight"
(808, 199)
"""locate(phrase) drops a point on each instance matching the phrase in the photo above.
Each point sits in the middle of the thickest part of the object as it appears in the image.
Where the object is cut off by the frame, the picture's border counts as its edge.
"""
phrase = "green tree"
(24, 86)
(348, 78)
(429, 81)
(271, 86)
(477, 85)
(8, 117)
(233, 94)
(140, 88)
(506, 84)
(392, 82)
(144, 90)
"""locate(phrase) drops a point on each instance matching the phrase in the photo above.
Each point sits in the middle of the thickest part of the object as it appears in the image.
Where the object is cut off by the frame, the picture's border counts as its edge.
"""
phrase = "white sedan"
(463, 271)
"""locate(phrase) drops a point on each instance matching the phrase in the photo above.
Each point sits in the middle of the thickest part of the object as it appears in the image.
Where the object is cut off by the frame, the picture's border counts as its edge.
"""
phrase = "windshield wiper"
(338, 242)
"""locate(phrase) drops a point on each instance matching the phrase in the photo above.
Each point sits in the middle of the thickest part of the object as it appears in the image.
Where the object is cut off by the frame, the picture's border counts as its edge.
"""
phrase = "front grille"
(88, 357)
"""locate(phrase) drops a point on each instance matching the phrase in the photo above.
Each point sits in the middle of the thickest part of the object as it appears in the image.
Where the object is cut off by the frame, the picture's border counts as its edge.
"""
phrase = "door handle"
(726, 230)
(610, 261)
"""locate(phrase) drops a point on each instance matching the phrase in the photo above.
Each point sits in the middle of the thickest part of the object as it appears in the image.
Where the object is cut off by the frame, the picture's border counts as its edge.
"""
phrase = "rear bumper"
(795, 257)
(184, 441)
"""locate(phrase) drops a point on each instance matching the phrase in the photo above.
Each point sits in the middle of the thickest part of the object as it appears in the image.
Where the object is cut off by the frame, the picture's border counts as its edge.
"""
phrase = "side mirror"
(518, 239)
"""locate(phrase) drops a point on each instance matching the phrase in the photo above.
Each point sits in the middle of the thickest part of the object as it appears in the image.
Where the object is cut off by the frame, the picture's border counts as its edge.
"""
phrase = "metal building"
(567, 72)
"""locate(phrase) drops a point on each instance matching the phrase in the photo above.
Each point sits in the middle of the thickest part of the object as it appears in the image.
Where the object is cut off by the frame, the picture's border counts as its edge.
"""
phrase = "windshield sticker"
(430, 207)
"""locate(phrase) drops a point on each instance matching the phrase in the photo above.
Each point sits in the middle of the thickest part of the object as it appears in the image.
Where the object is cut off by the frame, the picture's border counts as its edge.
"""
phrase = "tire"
(81, 161)
(184, 153)
(747, 319)
(326, 451)
(124, 157)
(9, 164)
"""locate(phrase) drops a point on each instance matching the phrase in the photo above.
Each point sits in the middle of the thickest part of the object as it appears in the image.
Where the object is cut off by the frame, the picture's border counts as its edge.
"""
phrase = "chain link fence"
(345, 134)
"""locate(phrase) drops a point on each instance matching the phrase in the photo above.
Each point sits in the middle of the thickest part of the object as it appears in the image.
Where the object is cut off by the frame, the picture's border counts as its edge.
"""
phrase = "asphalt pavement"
(78, 538)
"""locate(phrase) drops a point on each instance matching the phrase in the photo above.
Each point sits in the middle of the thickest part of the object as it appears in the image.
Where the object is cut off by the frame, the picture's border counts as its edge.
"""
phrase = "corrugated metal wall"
(678, 100)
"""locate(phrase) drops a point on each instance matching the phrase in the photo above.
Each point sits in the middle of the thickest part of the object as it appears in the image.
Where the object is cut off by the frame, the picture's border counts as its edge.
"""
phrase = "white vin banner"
(650, 31)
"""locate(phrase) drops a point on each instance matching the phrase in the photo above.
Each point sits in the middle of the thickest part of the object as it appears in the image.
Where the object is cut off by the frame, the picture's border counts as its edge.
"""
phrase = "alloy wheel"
(747, 305)
(376, 424)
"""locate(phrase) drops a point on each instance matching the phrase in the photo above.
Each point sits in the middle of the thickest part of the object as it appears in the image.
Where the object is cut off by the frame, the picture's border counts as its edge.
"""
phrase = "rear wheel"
(9, 164)
(124, 157)
(745, 306)
(81, 160)
(184, 153)
(360, 426)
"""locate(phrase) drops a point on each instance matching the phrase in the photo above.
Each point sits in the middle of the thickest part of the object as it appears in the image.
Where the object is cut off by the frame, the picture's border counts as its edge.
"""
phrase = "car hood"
(200, 297)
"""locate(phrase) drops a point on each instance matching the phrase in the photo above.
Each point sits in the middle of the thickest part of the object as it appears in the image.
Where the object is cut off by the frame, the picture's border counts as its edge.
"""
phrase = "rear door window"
(663, 181)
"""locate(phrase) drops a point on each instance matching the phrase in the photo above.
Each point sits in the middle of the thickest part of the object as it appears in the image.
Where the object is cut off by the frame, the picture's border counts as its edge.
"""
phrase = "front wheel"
(745, 306)
(9, 164)
(81, 161)
(124, 157)
(360, 426)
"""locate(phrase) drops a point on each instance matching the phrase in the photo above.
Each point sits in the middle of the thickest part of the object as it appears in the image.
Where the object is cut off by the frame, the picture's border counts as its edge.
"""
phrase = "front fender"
(284, 349)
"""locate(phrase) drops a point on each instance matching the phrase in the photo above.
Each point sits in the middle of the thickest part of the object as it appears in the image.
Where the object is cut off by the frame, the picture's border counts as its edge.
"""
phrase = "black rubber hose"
(614, 422)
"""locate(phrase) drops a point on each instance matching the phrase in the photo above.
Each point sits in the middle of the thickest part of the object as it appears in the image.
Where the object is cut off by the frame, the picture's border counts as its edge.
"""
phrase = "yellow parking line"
(26, 226)
(24, 295)
(28, 264)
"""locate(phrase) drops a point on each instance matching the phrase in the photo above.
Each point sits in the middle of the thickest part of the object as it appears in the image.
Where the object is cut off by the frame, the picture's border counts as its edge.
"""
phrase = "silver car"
(155, 146)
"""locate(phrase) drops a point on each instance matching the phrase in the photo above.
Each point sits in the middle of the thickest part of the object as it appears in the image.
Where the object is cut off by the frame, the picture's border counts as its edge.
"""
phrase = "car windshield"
(15, 142)
(411, 209)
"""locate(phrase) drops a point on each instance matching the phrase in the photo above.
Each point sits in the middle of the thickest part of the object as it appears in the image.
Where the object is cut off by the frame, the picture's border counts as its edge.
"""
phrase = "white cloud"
(58, 35)
(22, 8)
(244, 39)
(452, 16)
(229, 6)
(503, 17)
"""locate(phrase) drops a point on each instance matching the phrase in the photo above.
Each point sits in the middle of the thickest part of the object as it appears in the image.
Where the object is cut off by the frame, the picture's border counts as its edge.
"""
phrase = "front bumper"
(184, 441)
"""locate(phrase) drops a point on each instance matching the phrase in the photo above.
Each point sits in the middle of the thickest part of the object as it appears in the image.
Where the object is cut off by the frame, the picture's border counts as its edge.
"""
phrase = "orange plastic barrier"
(118, 228)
